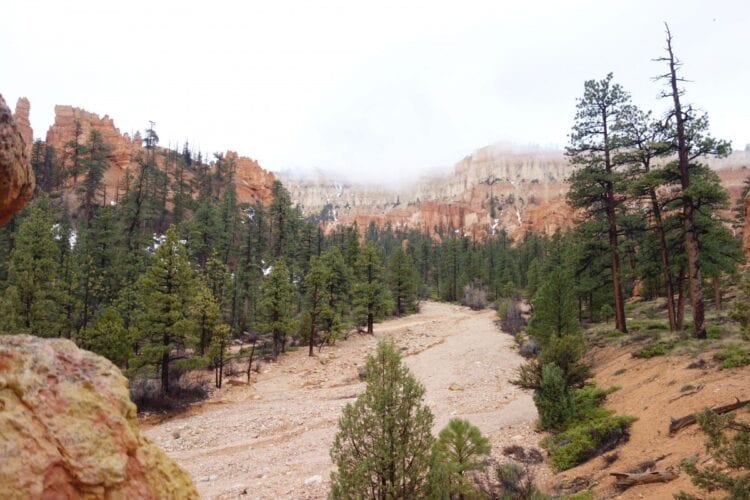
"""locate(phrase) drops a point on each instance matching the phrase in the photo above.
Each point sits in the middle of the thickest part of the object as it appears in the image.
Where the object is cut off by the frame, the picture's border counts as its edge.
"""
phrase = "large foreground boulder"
(68, 428)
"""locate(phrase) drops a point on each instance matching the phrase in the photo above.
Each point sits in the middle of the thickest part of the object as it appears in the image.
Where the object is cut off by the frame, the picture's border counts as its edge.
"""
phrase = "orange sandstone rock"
(68, 428)
(16, 177)
(21, 117)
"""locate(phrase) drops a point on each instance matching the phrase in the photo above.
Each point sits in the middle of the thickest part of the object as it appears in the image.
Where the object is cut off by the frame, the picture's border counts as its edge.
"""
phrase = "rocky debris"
(316, 479)
(16, 176)
(69, 430)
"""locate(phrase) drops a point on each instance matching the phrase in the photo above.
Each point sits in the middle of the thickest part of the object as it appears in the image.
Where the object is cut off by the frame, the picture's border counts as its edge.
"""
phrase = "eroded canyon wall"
(252, 181)
(524, 187)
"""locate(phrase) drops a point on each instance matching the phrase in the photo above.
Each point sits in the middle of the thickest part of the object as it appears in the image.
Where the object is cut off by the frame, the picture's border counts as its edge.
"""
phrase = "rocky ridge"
(252, 181)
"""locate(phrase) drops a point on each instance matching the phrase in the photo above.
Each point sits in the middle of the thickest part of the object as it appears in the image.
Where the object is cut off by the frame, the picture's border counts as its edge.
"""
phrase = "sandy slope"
(271, 440)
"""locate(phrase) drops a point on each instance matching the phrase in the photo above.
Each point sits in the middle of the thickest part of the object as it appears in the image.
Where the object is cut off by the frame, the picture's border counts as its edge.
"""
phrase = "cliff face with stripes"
(517, 189)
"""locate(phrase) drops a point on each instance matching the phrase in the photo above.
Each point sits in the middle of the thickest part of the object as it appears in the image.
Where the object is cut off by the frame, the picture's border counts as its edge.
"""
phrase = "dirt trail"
(271, 440)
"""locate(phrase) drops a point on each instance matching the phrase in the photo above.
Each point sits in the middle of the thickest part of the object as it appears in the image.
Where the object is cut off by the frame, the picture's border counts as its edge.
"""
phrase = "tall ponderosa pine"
(339, 289)
(166, 322)
(371, 297)
(277, 305)
(317, 309)
(95, 165)
(595, 185)
(648, 143)
(280, 214)
(382, 448)
(689, 142)
(402, 278)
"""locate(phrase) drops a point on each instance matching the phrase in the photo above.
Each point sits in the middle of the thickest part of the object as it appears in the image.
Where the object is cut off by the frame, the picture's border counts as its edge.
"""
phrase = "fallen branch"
(678, 423)
(647, 465)
(626, 480)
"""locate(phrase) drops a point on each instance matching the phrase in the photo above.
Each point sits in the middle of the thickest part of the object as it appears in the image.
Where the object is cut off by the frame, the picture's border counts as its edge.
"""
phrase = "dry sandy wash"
(271, 439)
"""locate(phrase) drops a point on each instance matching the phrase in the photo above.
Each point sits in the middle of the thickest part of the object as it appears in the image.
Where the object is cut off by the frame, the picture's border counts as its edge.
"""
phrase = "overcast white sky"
(378, 89)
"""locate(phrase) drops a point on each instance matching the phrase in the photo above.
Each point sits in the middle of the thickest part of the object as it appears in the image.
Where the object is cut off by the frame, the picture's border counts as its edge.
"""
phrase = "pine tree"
(32, 299)
(553, 399)
(204, 232)
(555, 307)
(205, 310)
(371, 297)
(403, 282)
(166, 323)
(317, 309)
(108, 336)
(648, 142)
(689, 141)
(338, 290)
(382, 448)
(280, 213)
(276, 305)
(460, 448)
(596, 184)
(94, 167)
(217, 352)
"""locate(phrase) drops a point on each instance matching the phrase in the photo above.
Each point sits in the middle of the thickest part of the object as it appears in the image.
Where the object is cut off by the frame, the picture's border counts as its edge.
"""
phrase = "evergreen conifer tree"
(403, 282)
(382, 448)
(166, 323)
(371, 297)
(276, 305)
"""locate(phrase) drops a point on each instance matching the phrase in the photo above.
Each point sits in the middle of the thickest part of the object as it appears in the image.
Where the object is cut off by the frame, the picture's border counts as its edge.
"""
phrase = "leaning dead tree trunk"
(625, 480)
(678, 423)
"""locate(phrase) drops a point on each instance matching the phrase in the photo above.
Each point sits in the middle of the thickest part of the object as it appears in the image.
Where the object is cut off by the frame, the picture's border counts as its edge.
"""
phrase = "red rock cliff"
(16, 177)
(253, 182)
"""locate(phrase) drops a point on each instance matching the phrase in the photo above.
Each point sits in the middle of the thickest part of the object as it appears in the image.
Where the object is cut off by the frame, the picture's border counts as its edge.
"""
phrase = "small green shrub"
(566, 352)
(553, 399)
(654, 349)
(587, 439)
(687, 387)
(713, 332)
(733, 357)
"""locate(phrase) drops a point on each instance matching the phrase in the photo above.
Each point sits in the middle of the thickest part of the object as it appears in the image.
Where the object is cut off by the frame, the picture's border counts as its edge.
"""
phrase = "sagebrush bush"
(475, 295)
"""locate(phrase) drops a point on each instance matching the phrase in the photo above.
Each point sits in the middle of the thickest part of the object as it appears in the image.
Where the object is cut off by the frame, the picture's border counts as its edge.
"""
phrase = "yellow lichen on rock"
(68, 428)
